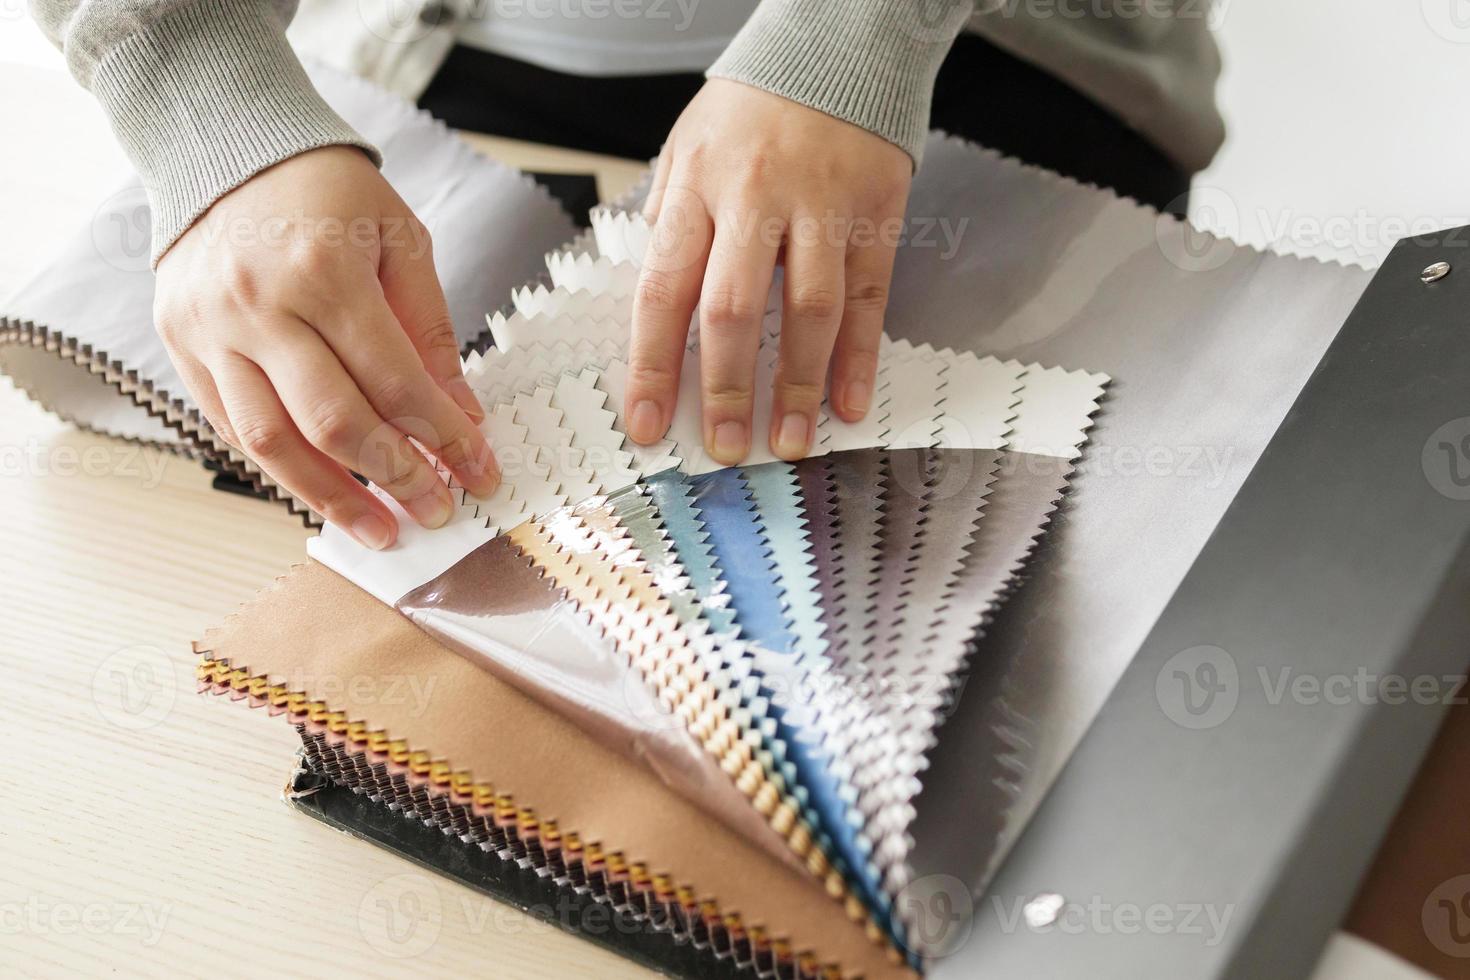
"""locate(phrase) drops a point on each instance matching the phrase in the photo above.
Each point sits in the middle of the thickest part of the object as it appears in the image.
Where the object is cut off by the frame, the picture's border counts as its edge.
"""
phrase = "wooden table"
(143, 829)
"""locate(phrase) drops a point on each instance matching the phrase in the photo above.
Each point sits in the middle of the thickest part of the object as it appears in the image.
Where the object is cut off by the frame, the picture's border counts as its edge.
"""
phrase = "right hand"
(303, 313)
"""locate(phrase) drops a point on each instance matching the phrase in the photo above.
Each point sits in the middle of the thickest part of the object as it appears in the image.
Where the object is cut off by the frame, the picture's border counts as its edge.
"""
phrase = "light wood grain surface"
(141, 825)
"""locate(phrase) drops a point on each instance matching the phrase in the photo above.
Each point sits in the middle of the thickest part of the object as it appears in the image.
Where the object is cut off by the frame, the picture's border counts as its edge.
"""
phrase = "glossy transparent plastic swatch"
(497, 608)
(611, 611)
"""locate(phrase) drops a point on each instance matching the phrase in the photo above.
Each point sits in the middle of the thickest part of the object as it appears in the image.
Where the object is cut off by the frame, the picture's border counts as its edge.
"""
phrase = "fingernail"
(431, 510)
(793, 437)
(730, 443)
(645, 425)
(372, 532)
(856, 396)
(464, 396)
(482, 475)
(485, 484)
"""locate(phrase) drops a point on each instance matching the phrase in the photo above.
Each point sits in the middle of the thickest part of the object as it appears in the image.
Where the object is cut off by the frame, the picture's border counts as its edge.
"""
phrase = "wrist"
(868, 62)
(206, 97)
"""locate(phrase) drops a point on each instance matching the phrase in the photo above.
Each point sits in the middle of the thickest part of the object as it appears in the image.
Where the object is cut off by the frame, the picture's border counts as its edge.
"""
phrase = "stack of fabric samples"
(704, 700)
(774, 645)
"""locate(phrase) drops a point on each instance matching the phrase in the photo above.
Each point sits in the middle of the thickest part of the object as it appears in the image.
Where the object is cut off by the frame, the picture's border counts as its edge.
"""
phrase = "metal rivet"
(1435, 272)
(1043, 910)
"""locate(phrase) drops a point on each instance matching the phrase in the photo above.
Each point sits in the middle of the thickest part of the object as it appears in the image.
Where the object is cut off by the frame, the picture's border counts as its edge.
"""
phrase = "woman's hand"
(745, 175)
(304, 315)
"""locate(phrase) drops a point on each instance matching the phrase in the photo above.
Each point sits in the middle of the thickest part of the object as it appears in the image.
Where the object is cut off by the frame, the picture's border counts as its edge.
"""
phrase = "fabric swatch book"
(785, 719)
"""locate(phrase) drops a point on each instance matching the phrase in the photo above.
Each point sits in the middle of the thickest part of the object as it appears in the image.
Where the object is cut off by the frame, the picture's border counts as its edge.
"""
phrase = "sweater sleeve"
(202, 94)
(869, 62)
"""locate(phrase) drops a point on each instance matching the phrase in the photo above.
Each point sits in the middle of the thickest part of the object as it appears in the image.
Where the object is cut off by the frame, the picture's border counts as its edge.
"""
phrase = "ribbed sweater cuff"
(869, 62)
(205, 98)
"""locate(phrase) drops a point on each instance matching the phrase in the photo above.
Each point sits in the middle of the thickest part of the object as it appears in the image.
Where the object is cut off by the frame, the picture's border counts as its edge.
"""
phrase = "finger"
(267, 434)
(330, 411)
(660, 181)
(411, 287)
(201, 386)
(731, 307)
(366, 338)
(855, 355)
(811, 313)
(663, 305)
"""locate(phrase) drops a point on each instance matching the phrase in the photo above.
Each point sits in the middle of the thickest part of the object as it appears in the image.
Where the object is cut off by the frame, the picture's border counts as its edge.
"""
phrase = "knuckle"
(798, 391)
(224, 431)
(311, 261)
(242, 282)
(329, 427)
(261, 439)
(815, 303)
(859, 359)
(657, 291)
(178, 321)
(726, 396)
(407, 239)
(455, 453)
(393, 395)
(760, 166)
(728, 310)
(438, 334)
(694, 156)
(869, 296)
(168, 323)
(334, 504)
(405, 479)
(648, 375)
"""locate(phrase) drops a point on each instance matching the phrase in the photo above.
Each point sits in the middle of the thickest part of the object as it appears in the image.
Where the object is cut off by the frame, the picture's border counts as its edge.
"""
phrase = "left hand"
(743, 176)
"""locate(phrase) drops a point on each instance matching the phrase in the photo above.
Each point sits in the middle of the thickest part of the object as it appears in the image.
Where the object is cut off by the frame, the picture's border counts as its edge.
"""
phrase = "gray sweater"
(203, 94)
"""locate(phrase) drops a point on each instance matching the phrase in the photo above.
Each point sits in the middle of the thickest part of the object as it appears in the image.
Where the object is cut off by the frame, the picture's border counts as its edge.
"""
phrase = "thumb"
(411, 287)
